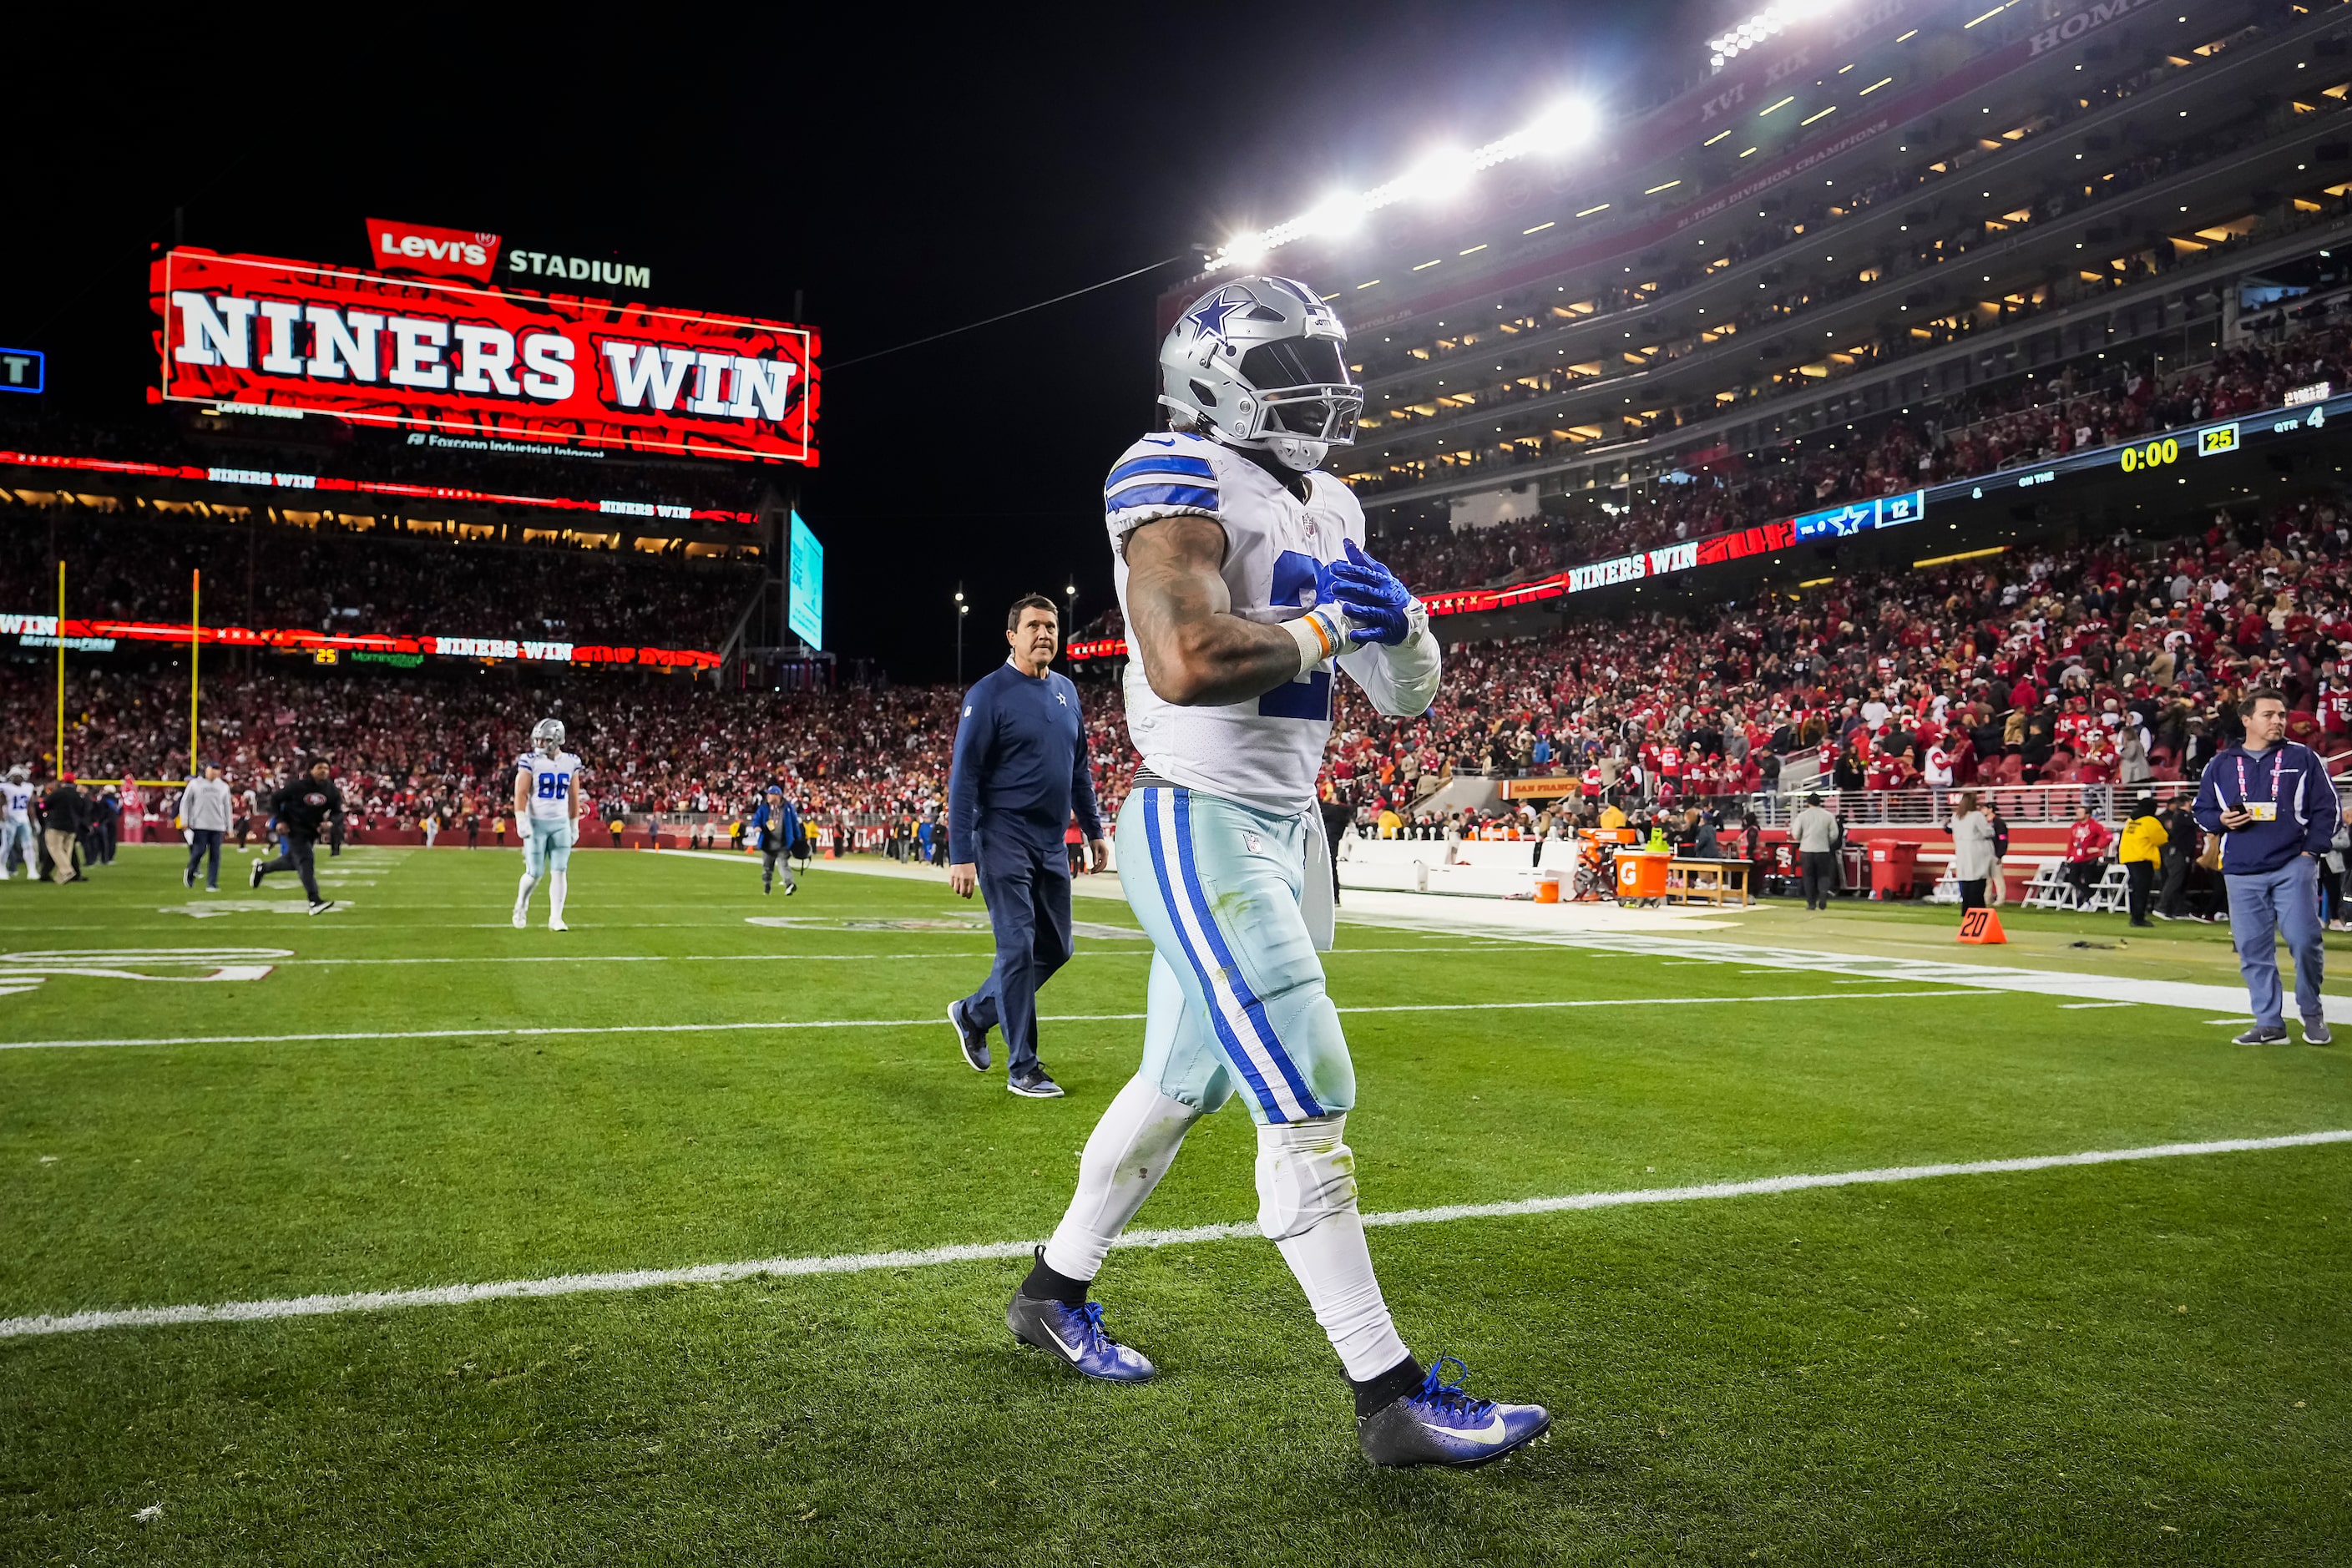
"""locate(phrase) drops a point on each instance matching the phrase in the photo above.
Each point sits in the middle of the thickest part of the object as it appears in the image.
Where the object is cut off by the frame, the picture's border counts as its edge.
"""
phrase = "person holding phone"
(2275, 808)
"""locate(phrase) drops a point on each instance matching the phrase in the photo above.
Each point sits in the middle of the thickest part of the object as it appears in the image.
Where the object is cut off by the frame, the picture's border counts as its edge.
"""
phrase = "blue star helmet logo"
(1209, 317)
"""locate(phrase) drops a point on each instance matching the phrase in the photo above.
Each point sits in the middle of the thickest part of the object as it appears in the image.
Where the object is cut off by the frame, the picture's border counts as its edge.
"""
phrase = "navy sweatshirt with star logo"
(1020, 768)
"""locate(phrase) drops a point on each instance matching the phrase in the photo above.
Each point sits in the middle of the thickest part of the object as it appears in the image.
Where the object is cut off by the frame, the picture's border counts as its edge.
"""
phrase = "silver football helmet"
(1262, 363)
(547, 736)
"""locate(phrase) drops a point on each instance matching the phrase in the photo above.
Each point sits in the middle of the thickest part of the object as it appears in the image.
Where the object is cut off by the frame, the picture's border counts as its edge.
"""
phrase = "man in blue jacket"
(776, 828)
(2275, 809)
(1020, 769)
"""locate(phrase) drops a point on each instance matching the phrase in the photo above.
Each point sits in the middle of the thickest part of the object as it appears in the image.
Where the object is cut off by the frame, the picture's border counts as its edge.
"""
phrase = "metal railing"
(1931, 805)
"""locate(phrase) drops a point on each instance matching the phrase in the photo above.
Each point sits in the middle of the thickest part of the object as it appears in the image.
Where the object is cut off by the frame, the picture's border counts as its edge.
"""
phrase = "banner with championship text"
(430, 354)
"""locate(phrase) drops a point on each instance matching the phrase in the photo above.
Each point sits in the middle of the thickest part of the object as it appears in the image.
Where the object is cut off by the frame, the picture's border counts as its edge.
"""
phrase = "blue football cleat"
(1075, 1335)
(1437, 1424)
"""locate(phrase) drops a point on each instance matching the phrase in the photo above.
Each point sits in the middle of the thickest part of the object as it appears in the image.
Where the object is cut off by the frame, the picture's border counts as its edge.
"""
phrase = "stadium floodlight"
(1728, 46)
(1566, 125)
(1339, 214)
(1242, 250)
(1440, 177)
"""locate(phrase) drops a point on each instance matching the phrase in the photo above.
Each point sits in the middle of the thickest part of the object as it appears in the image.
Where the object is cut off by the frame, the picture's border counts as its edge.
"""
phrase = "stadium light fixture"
(1339, 213)
(1729, 45)
(1565, 125)
(1438, 177)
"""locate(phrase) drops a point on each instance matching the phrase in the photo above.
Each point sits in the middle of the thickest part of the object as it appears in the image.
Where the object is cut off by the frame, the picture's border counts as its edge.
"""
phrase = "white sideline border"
(480, 1031)
(866, 1262)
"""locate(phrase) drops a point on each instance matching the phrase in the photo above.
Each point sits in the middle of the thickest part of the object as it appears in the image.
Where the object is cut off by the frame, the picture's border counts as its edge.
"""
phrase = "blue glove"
(1378, 608)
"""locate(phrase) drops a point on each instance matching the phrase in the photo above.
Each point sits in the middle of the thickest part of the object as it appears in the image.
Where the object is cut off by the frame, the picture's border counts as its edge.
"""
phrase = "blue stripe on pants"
(1251, 1007)
(1169, 894)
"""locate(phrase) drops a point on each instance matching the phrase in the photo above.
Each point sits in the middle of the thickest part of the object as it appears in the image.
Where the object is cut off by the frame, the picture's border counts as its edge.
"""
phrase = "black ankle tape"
(1044, 1285)
(1380, 1391)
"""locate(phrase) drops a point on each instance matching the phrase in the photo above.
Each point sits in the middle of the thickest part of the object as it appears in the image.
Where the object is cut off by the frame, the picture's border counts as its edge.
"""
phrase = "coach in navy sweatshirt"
(2275, 809)
(1020, 769)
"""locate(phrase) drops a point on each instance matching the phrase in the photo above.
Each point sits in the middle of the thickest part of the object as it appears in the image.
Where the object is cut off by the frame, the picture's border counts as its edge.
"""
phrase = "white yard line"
(867, 1262)
(1125, 950)
(481, 1031)
(1531, 922)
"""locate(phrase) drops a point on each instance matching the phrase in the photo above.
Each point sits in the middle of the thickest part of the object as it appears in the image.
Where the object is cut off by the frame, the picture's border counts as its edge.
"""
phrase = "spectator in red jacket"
(2086, 852)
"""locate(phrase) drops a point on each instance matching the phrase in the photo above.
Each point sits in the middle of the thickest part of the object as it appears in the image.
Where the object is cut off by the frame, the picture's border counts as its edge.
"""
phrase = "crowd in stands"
(404, 746)
(136, 567)
(2114, 664)
(2027, 420)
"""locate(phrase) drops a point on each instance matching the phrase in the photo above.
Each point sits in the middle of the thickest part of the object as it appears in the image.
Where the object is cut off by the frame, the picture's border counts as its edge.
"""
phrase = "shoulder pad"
(1161, 475)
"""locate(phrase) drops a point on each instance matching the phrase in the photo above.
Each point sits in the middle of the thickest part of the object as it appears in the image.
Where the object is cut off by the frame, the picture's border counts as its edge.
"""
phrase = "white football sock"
(1307, 1206)
(558, 884)
(1128, 1152)
(522, 894)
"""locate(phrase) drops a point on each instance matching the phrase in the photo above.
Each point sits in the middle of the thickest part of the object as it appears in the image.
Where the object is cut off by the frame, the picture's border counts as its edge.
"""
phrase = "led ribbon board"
(2150, 455)
(432, 354)
(805, 611)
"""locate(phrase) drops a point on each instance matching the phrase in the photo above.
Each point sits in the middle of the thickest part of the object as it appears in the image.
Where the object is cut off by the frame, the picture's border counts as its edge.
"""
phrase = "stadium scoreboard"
(465, 359)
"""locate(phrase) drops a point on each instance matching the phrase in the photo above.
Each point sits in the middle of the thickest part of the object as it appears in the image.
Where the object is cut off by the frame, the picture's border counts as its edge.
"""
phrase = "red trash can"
(1892, 868)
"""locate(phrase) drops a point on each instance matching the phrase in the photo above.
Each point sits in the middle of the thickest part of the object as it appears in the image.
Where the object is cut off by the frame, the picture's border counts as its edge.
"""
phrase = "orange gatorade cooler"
(1641, 874)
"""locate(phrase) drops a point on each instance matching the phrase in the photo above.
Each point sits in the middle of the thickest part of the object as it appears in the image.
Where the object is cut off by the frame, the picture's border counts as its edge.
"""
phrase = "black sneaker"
(2258, 1035)
(188, 878)
(1035, 1085)
(254, 881)
(320, 905)
(974, 1041)
(2315, 1032)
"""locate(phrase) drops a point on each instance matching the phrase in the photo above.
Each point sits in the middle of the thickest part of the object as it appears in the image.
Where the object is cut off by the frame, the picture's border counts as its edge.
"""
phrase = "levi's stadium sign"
(430, 353)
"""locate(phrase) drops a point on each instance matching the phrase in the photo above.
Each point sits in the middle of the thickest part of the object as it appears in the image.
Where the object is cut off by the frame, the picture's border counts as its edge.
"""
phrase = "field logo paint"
(211, 909)
(22, 972)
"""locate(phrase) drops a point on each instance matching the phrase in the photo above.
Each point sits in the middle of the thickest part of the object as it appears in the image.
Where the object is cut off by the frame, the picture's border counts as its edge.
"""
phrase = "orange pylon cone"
(1981, 926)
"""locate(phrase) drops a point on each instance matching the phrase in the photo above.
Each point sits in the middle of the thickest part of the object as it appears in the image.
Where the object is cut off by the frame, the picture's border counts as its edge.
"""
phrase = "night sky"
(907, 177)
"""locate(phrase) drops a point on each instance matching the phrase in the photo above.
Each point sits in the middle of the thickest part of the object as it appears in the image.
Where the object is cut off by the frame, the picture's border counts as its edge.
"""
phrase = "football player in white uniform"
(547, 810)
(1243, 576)
(17, 794)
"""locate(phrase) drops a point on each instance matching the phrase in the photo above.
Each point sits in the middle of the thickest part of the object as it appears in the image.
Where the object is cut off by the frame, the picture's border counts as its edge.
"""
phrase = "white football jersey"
(1265, 751)
(553, 781)
(19, 800)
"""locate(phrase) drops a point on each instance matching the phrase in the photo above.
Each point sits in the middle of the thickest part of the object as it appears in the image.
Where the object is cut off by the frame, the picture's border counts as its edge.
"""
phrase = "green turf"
(1966, 1370)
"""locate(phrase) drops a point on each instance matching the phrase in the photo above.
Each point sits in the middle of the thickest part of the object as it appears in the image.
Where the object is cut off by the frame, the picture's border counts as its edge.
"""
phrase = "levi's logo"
(441, 252)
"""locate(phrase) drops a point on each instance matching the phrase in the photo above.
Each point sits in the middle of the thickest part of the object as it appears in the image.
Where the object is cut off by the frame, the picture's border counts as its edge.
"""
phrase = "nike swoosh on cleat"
(1493, 1432)
(1065, 1345)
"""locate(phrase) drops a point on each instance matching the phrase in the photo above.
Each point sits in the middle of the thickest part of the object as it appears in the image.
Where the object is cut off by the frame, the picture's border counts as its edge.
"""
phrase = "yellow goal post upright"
(57, 758)
(195, 641)
(57, 761)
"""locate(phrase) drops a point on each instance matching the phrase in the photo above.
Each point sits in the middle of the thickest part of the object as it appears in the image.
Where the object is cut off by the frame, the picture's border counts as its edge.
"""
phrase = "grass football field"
(2133, 1362)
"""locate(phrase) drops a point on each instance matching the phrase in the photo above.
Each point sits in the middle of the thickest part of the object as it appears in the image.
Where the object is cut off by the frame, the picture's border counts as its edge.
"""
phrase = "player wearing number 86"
(547, 810)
